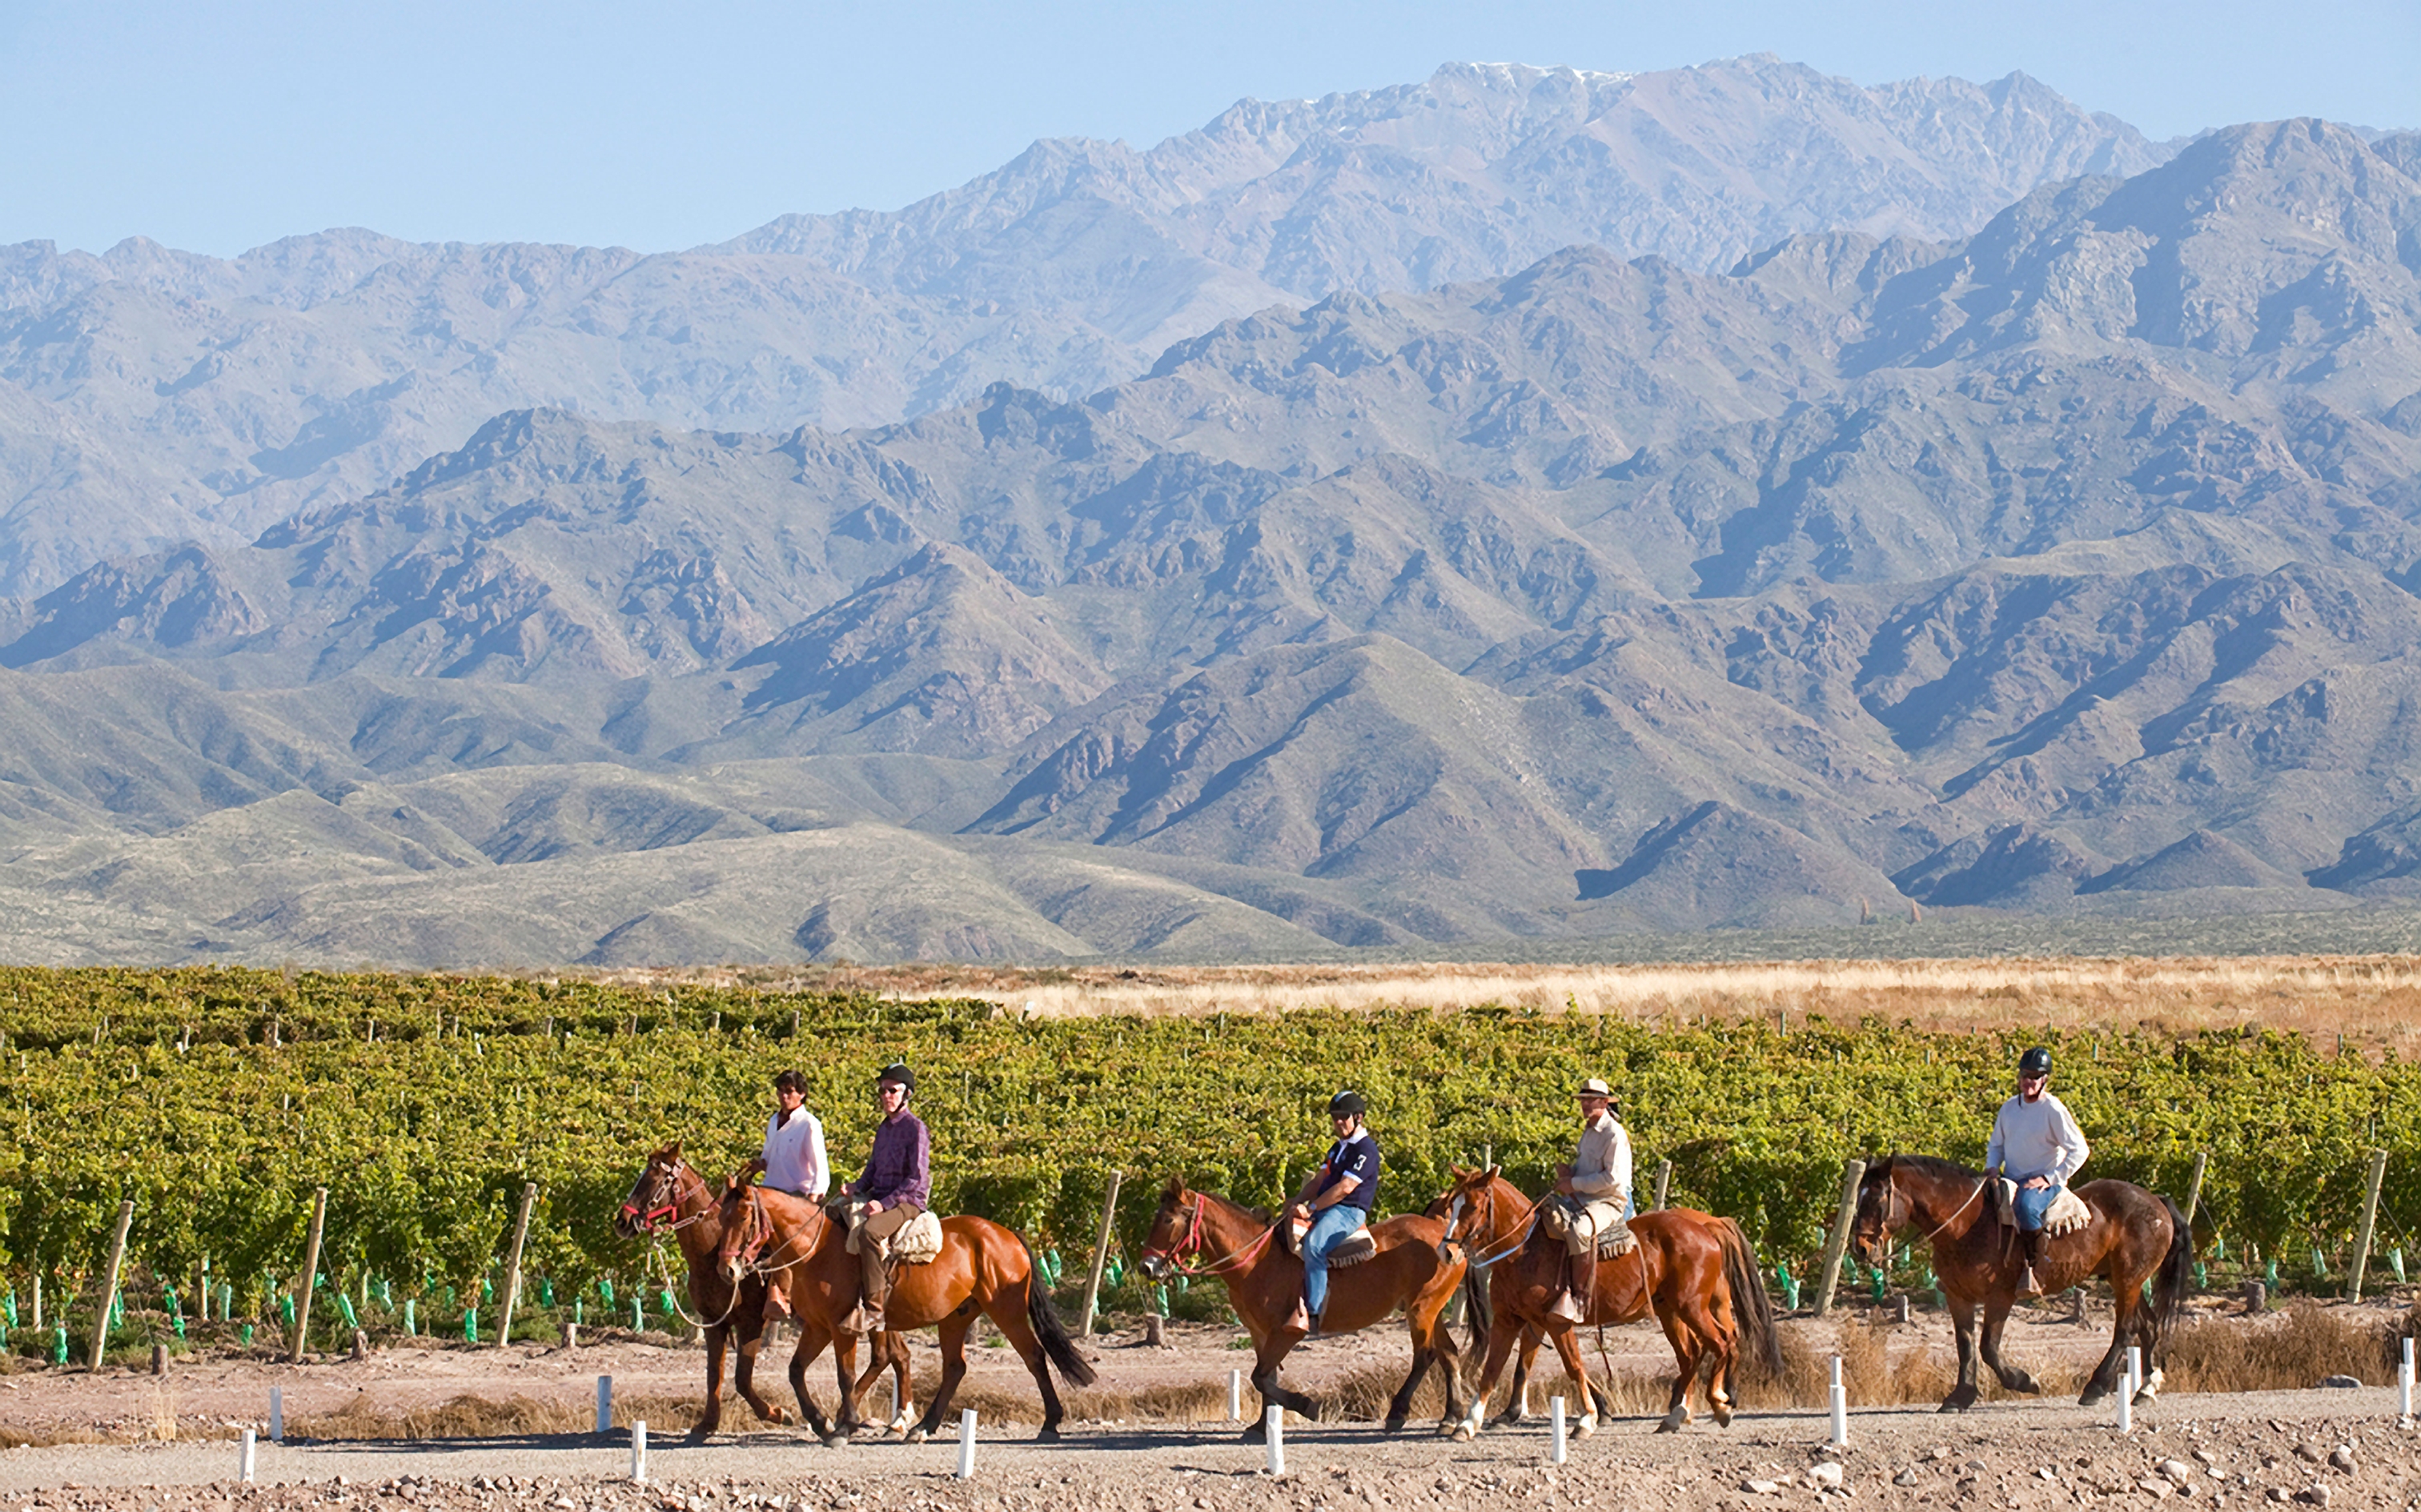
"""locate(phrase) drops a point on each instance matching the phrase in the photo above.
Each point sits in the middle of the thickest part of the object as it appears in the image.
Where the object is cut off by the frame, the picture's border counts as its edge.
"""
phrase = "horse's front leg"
(1567, 1348)
(811, 1343)
(710, 1417)
(1962, 1322)
(1266, 1361)
(1996, 1313)
(1504, 1332)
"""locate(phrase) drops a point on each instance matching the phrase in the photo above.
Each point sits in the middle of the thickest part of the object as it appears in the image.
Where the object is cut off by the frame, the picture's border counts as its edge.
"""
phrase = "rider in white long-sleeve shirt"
(2036, 1143)
(794, 1160)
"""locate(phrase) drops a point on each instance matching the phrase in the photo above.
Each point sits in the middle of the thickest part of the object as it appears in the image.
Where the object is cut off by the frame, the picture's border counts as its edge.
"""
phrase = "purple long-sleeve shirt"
(900, 1169)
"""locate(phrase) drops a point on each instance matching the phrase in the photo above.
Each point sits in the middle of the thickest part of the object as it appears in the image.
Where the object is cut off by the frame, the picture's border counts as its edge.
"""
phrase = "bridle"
(748, 1260)
(644, 1219)
(1454, 1223)
(1193, 1243)
(1895, 1213)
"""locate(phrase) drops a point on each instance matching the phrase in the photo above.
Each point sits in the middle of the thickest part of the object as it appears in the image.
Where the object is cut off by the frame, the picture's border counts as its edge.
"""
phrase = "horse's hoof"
(1958, 1401)
(1667, 1425)
(1256, 1434)
(1050, 1434)
(1722, 1414)
(917, 1434)
(1586, 1428)
(1393, 1425)
(1462, 1433)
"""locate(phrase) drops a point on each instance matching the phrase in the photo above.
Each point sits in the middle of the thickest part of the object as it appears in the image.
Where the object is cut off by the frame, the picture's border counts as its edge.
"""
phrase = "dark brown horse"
(2136, 1236)
(983, 1268)
(670, 1197)
(1694, 1272)
(1414, 1270)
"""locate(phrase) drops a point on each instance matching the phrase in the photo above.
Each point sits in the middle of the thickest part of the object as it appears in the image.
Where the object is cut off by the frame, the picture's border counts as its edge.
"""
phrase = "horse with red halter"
(2134, 1237)
(670, 1197)
(1415, 1269)
(982, 1269)
(1695, 1273)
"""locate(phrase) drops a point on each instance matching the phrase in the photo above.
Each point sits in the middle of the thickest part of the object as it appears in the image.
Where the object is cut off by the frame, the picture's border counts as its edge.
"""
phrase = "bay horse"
(1415, 1269)
(670, 1197)
(1694, 1271)
(983, 1268)
(2136, 1236)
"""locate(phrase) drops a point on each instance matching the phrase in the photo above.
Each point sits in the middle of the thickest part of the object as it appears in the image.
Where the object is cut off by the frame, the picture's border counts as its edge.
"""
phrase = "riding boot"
(1301, 1317)
(2027, 1285)
(777, 1305)
(1566, 1305)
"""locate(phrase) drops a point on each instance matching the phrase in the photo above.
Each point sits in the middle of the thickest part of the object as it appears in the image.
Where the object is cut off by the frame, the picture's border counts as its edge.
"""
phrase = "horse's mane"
(1933, 1165)
(1259, 1215)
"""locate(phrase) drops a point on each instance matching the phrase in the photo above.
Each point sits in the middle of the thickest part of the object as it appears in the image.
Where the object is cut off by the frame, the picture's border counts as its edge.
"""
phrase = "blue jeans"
(1329, 1227)
(2033, 1202)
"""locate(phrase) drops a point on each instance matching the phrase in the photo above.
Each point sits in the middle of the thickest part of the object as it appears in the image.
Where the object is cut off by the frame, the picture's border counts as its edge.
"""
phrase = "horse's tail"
(1751, 1306)
(1047, 1327)
(2175, 1277)
(1475, 1308)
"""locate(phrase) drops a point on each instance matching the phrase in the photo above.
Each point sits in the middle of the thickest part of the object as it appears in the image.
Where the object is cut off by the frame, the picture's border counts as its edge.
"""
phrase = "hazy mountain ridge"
(2068, 566)
(154, 396)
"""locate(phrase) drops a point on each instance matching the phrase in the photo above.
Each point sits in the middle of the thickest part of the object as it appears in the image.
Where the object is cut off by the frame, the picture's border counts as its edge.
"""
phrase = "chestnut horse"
(1414, 1270)
(2136, 1236)
(1694, 1271)
(670, 1197)
(983, 1268)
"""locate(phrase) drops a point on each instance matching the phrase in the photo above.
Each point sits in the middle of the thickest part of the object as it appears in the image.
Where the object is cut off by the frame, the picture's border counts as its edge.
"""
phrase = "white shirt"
(794, 1154)
(2038, 1138)
(1601, 1166)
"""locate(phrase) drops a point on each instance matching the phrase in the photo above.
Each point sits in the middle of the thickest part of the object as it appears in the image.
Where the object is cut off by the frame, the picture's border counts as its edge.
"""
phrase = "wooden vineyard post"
(1837, 1244)
(109, 1284)
(2194, 1192)
(2370, 1219)
(1100, 1255)
(513, 1266)
(311, 1273)
(1663, 1182)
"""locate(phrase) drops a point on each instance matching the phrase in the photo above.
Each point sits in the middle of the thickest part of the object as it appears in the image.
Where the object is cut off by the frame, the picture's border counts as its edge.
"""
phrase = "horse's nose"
(1154, 1267)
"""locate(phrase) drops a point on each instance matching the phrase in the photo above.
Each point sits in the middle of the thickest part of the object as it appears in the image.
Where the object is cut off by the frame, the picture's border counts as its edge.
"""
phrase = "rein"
(1481, 1262)
(1956, 1211)
(1192, 1244)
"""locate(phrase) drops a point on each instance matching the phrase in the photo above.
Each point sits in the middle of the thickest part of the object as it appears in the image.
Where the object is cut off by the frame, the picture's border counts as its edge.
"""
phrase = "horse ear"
(672, 1151)
(1174, 1190)
(1495, 1171)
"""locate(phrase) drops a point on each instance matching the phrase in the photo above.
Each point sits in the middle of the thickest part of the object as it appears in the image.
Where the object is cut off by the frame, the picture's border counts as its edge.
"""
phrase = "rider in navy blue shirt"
(1337, 1200)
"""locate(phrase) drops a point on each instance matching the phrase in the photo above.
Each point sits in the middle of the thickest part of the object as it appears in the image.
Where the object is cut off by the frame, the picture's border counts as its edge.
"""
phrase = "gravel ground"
(2233, 1450)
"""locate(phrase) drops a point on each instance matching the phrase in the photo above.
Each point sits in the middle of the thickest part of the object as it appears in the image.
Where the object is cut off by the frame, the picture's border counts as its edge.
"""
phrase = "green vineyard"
(218, 1099)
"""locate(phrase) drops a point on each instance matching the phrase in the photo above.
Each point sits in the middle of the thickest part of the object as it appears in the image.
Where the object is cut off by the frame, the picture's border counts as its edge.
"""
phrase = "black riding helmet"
(897, 1072)
(1347, 1104)
(2036, 1062)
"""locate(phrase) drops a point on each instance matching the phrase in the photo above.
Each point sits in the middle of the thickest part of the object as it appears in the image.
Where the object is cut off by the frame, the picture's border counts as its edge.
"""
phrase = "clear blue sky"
(216, 125)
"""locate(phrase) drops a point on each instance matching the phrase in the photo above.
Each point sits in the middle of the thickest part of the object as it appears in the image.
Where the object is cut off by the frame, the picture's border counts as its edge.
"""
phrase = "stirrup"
(1567, 1306)
(1301, 1317)
(2028, 1286)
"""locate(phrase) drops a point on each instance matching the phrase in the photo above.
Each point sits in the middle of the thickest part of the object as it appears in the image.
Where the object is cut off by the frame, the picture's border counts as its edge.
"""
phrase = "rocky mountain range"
(1752, 572)
(150, 396)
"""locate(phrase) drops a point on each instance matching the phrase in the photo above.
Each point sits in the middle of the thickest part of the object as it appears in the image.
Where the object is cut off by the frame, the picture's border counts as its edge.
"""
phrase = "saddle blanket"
(2067, 1214)
(1352, 1249)
(918, 1241)
(1561, 1220)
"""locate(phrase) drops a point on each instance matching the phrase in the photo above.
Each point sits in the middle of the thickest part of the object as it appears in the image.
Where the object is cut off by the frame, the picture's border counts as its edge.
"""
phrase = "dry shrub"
(2290, 1351)
(480, 1417)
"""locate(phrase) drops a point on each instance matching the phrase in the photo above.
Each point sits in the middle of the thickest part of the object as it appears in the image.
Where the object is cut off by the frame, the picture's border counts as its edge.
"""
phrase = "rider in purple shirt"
(895, 1186)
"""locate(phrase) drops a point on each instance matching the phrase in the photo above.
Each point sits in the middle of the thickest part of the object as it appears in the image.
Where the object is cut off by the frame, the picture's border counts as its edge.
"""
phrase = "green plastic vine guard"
(545, 1291)
(638, 1315)
(9, 1308)
(410, 1318)
(1789, 1286)
(606, 1290)
(247, 1333)
(285, 1306)
(2395, 1260)
(470, 1325)
(59, 1346)
(345, 1305)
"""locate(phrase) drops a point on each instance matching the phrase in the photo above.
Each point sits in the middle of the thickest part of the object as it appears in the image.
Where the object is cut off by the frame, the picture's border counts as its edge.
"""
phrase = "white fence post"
(968, 1444)
(1273, 1424)
(277, 1414)
(639, 1452)
(1236, 1394)
(1556, 1417)
(244, 1470)
(1840, 1406)
(604, 1404)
